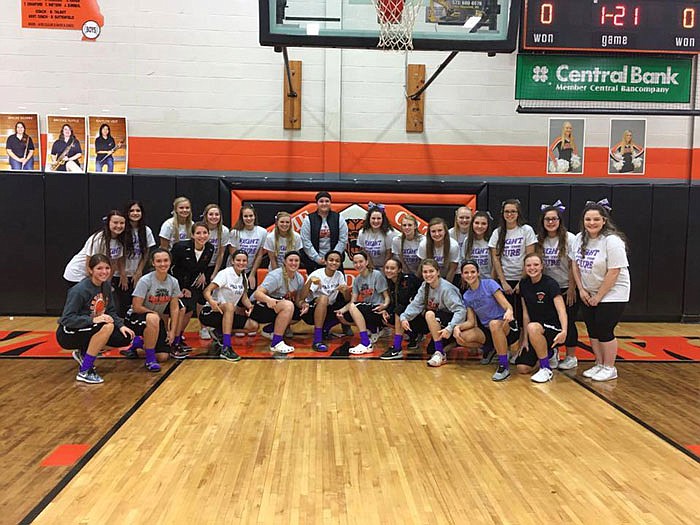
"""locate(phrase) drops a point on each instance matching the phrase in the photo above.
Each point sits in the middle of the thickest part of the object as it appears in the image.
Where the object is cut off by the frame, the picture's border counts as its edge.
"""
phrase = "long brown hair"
(562, 233)
(471, 235)
(430, 243)
(500, 245)
(609, 228)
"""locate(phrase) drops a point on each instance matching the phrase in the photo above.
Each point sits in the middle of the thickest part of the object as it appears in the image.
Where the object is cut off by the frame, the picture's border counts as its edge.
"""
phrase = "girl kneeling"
(437, 308)
(221, 311)
(89, 321)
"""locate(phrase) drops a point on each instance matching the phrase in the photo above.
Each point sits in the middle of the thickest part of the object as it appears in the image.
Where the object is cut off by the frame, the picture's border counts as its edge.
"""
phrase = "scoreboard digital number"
(634, 26)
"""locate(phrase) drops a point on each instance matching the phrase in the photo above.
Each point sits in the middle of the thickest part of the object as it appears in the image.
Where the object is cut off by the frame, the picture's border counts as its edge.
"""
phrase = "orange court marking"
(64, 455)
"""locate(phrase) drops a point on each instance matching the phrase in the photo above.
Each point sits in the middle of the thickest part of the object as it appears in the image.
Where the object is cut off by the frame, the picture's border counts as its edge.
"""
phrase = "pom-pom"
(618, 165)
(637, 163)
(575, 162)
(562, 166)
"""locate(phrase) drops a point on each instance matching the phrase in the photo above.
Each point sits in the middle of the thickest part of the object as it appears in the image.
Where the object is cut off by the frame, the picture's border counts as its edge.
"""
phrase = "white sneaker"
(606, 373)
(361, 349)
(542, 375)
(438, 359)
(568, 363)
(282, 348)
(592, 371)
(204, 334)
(554, 360)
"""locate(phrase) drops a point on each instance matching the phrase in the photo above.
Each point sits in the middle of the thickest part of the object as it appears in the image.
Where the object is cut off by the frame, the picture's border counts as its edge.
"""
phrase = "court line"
(633, 417)
(55, 491)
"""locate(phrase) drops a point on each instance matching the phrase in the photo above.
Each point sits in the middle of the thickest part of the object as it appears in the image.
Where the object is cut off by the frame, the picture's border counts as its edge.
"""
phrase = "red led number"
(617, 16)
(689, 18)
(546, 13)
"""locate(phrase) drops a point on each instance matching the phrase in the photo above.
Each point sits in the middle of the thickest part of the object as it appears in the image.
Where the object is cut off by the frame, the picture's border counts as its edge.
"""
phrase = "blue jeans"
(16, 165)
(109, 162)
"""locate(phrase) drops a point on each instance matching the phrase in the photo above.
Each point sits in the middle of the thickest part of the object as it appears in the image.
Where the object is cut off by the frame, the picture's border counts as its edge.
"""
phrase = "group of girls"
(405, 281)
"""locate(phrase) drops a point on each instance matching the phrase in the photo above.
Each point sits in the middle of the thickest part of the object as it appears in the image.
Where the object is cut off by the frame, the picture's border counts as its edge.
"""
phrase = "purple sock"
(150, 355)
(503, 360)
(275, 339)
(136, 343)
(318, 335)
(364, 338)
(178, 340)
(544, 363)
(88, 361)
(227, 340)
(398, 339)
(438, 346)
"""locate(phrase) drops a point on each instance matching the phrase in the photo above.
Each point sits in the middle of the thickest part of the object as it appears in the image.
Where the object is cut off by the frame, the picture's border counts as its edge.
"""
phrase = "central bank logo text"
(625, 75)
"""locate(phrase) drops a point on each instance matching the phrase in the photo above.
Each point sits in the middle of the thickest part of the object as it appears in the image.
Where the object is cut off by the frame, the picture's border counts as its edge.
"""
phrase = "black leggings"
(601, 320)
(571, 311)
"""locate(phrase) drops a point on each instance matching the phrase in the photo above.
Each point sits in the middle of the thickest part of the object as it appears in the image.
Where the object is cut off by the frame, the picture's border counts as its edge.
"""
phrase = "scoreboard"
(634, 26)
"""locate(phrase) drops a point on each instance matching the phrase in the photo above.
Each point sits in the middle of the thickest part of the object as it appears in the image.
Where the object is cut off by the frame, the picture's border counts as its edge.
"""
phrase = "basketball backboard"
(449, 25)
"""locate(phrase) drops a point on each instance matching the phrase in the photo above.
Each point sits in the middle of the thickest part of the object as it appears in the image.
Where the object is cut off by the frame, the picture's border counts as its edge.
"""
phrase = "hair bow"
(489, 214)
(104, 220)
(605, 203)
(503, 203)
(558, 205)
(371, 205)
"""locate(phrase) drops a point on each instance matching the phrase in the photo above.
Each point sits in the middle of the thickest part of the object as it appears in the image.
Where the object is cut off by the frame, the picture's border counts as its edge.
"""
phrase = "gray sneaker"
(568, 363)
(89, 376)
(554, 360)
(501, 373)
(489, 354)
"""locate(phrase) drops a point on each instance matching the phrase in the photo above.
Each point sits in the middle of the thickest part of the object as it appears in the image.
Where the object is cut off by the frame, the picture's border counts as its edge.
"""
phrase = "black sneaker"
(90, 376)
(488, 355)
(229, 354)
(129, 353)
(319, 347)
(177, 352)
(392, 353)
(185, 347)
(414, 341)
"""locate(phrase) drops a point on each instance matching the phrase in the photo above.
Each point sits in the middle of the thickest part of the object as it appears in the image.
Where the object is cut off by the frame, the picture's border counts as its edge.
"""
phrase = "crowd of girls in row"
(462, 285)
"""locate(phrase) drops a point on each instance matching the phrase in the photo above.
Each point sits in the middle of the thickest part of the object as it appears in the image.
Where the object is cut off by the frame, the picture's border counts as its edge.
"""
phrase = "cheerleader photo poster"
(627, 146)
(65, 142)
(107, 138)
(566, 146)
(20, 133)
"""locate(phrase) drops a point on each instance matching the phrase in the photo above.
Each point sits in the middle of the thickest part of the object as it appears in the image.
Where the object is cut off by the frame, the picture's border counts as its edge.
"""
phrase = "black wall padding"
(225, 202)
(22, 264)
(200, 190)
(107, 192)
(157, 195)
(580, 194)
(669, 229)
(632, 208)
(67, 229)
(691, 307)
(549, 194)
(499, 192)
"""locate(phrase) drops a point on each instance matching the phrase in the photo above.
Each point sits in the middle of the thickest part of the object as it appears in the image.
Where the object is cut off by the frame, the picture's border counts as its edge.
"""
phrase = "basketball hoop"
(396, 19)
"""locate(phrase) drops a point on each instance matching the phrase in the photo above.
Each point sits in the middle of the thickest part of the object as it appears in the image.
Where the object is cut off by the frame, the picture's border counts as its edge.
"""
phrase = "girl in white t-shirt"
(440, 247)
(138, 240)
(476, 247)
(460, 230)
(222, 311)
(509, 244)
(179, 226)
(405, 246)
(218, 237)
(246, 235)
(376, 235)
(281, 240)
(108, 240)
(554, 244)
(602, 276)
(326, 291)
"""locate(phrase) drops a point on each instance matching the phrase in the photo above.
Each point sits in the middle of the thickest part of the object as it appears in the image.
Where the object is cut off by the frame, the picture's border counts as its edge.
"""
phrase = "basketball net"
(396, 19)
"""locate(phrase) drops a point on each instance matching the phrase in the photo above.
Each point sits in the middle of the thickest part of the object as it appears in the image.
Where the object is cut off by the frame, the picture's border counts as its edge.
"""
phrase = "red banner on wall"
(80, 15)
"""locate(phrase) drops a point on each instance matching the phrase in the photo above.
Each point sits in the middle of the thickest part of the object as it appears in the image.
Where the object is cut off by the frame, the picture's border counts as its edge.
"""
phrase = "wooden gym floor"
(348, 440)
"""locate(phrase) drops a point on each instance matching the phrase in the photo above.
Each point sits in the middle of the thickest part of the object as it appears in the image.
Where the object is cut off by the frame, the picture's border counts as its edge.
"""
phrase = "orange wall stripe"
(364, 158)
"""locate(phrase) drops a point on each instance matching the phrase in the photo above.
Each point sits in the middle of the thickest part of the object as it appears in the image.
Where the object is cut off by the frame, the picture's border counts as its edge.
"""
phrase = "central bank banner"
(634, 79)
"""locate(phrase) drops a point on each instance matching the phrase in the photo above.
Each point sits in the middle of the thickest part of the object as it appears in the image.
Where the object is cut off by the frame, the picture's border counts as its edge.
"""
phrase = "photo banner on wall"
(605, 79)
(107, 148)
(65, 141)
(78, 15)
(22, 143)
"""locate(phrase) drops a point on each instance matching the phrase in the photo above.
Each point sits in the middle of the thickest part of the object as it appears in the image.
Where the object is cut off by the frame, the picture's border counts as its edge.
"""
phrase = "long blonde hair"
(219, 227)
(289, 235)
(176, 221)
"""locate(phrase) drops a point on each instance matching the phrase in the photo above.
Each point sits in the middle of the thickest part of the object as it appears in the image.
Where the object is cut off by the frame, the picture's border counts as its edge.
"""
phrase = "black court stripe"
(634, 418)
(95, 449)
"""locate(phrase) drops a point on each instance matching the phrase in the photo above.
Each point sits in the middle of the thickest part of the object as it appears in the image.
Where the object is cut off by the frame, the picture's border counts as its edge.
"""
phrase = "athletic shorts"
(210, 317)
(264, 315)
(372, 319)
(308, 317)
(79, 338)
(511, 337)
(420, 326)
(529, 356)
(137, 322)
